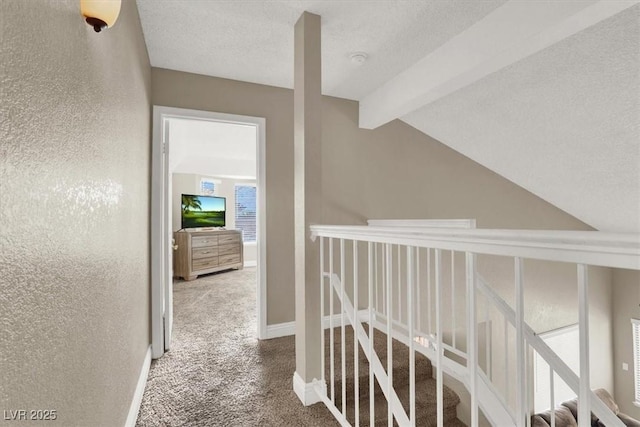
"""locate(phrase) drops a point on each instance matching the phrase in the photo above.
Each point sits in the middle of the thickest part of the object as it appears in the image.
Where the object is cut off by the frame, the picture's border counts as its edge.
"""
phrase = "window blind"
(246, 211)
(635, 323)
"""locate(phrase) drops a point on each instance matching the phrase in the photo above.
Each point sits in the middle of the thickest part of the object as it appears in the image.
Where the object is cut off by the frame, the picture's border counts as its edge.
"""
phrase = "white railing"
(411, 282)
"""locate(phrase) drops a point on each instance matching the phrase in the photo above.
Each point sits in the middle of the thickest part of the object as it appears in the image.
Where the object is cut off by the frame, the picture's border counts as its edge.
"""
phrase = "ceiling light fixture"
(100, 14)
(358, 58)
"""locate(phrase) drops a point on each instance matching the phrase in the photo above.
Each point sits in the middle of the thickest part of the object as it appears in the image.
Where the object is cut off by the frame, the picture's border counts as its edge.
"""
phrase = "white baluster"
(412, 355)
(331, 334)
(584, 403)
(552, 398)
(487, 342)
(343, 359)
(472, 336)
(429, 302)
(376, 287)
(383, 259)
(439, 377)
(399, 308)
(356, 306)
(453, 300)
(521, 403)
(418, 302)
(322, 282)
(506, 358)
(371, 384)
(389, 332)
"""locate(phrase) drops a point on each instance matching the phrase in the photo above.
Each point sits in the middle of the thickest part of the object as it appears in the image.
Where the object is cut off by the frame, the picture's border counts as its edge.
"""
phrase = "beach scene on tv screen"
(200, 211)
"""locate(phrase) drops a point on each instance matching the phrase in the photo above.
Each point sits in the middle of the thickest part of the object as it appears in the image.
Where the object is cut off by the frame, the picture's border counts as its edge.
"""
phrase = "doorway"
(161, 217)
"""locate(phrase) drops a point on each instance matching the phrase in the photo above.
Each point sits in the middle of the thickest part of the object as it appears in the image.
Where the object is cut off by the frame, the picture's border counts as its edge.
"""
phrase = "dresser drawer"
(229, 238)
(198, 253)
(205, 263)
(232, 249)
(203, 241)
(229, 259)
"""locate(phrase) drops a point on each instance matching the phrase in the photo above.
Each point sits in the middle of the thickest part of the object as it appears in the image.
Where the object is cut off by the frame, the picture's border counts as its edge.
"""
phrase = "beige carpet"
(217, 373)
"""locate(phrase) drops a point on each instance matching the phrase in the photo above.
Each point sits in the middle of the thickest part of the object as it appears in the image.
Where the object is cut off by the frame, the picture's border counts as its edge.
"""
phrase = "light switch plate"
(625, 366)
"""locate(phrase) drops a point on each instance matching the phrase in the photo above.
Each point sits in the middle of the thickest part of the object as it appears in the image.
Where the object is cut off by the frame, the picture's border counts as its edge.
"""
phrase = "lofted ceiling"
(545, 93)
(252, 40)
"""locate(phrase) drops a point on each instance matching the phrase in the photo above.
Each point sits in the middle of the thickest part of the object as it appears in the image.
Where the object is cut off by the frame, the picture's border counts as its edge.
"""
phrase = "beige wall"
(184, 90)
(395, 172)
(74, 211)
(626, 305)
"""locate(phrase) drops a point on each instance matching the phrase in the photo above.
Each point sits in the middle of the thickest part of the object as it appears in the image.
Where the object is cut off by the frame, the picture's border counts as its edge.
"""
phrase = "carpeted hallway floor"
(217, 373)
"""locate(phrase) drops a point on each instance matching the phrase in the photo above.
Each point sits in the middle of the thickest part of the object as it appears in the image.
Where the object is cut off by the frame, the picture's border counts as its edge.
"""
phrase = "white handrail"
(579, 247)
(556, 364)
(620, 250)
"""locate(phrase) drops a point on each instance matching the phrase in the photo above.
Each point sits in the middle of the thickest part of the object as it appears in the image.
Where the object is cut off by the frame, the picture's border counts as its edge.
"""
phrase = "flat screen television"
(203, 211)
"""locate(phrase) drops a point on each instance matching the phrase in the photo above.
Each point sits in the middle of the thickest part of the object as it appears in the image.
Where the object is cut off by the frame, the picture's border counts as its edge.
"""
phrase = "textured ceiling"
(563, 123)
(253, 40)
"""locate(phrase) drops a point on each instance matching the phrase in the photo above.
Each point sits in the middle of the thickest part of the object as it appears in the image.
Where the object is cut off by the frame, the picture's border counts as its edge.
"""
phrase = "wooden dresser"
(201, 252)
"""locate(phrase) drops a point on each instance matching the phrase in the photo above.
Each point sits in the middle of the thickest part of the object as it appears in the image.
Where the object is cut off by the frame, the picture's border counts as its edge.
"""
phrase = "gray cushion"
(538, 421)
(563, 416)
(628, 421)
(572, 405)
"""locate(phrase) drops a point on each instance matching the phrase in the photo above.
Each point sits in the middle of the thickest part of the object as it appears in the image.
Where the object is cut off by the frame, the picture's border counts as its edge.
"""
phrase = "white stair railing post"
(410, 319)
(322, 282)
(331, 334)
(521, 394)
(439, 376)
(371, 379)
(584, 407)
(429, 301)
(418, 300)
(343, 343)
(472, 336)
(506, 358)
(389, 332)
(399, 287)
(356, 353)
(552, 398)
(453, 300)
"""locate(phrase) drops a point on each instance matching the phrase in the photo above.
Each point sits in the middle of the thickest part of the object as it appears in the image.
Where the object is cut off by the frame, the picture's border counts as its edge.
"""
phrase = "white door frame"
(160, 202)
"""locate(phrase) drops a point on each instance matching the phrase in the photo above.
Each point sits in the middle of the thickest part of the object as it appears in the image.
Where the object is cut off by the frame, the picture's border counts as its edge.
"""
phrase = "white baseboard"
(306, 392)
(253, 263)
(289, 328)
(134, 409)
(281, 330)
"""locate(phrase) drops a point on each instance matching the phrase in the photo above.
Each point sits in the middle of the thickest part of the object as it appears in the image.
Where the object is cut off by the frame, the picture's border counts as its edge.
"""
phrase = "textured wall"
(74, 213)
(626, 305)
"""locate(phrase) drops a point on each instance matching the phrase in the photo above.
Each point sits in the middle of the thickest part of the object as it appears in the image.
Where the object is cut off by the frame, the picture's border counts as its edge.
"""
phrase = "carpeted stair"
(426, 406)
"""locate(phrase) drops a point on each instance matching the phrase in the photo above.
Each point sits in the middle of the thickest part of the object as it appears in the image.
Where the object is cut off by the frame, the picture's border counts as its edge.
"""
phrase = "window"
(635, 323)
(246, 211)
(208, 186)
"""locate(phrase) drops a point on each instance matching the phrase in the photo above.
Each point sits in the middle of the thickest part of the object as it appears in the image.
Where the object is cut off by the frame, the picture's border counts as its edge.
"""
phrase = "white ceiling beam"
(512, 32)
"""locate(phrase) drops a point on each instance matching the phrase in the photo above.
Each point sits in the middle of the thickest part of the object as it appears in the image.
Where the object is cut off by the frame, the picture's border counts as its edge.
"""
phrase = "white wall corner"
(136, 402)
(307, 392)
